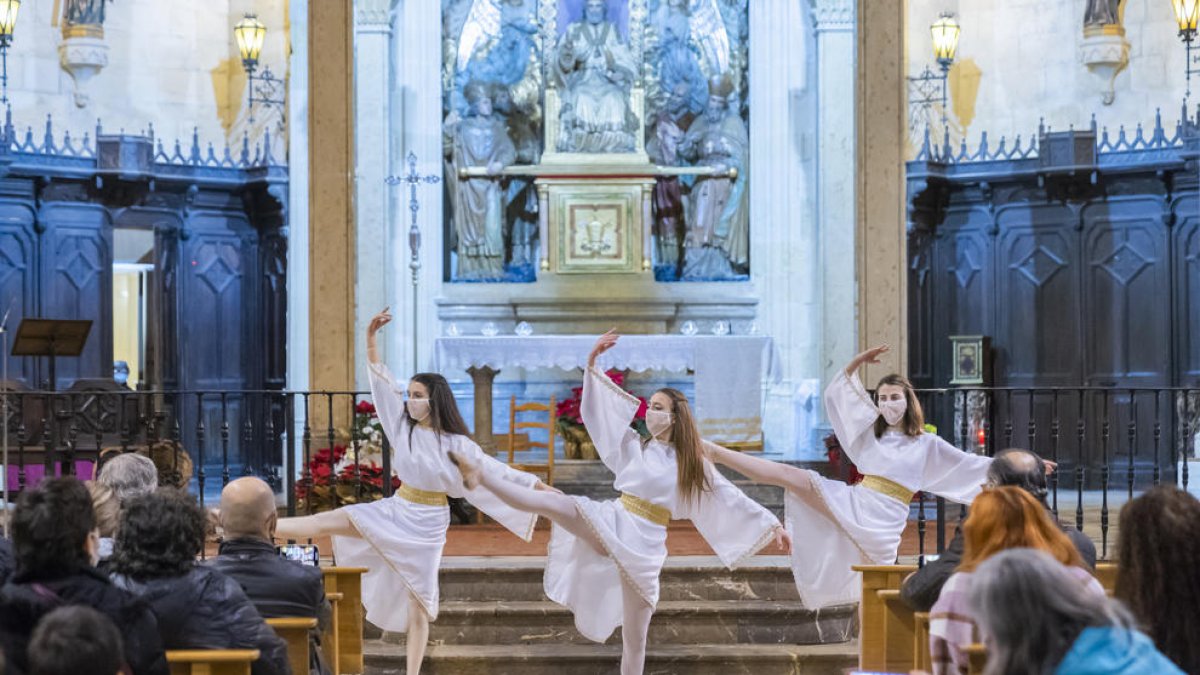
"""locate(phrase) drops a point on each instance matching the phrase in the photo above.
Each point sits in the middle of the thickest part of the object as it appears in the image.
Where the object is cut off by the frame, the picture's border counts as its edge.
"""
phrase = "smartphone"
(305, 554)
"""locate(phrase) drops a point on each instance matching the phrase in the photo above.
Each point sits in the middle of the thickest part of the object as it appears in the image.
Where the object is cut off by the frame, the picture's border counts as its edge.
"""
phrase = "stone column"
(372, 68)
(879, 159)
(482, 378)
(834, 23)
(331, 202)
(783, 245)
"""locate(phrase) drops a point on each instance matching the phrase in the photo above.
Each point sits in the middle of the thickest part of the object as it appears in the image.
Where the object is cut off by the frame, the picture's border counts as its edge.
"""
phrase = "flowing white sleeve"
(518, 522)
(952, 473)
(733, 524)
(389, 405)
(852, 414)
(607, 412)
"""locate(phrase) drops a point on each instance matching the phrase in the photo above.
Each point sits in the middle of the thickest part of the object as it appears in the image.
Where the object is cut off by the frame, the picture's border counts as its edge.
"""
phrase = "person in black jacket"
(54, 542)
(197, 607)
(6, 560)
(1020, 468)
(277, 587)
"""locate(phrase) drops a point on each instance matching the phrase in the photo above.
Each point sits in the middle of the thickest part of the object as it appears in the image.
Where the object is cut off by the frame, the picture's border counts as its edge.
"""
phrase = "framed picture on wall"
(971, 356)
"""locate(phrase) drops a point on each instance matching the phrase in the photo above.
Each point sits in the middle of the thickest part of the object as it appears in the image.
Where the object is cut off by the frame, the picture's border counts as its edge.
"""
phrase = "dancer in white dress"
(605, 557)
(400, 540)
(862, 524)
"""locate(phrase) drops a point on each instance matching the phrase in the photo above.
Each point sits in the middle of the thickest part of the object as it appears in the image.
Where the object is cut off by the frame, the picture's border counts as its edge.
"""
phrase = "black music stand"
(52, 338)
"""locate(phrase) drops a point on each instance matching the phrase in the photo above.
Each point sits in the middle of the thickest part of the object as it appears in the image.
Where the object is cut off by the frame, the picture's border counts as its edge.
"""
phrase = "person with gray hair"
(1012, 466)
(1036, 618)
(129, 475)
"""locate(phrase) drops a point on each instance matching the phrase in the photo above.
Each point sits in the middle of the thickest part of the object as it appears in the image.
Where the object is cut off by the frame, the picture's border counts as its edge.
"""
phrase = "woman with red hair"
(1001, 519)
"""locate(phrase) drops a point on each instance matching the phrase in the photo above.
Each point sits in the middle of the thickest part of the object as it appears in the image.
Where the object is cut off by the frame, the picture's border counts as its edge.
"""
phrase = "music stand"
(51, 338)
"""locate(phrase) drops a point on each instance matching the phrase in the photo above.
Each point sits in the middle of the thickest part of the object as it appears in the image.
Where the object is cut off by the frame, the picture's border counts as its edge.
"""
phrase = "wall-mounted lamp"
(1186, 14)
(264, 87)
(8, 22)
(931, 87)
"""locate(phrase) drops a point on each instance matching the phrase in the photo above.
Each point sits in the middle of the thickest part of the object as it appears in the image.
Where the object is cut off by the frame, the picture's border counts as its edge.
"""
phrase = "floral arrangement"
(576, 442)
(347, 474)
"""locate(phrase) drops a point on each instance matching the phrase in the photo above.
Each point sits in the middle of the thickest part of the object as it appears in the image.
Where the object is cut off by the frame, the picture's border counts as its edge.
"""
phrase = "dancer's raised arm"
(386, 394)
(851, 411)
(607, 410)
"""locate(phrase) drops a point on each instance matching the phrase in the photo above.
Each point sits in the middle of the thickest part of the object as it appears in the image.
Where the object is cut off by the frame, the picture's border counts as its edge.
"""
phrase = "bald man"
(277, 587)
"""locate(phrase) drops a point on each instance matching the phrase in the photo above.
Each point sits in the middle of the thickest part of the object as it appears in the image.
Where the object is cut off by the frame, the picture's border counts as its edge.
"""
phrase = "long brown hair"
(1008, 517)
(1158, 555)
(913, 423)
(443, 409)
(689, 451)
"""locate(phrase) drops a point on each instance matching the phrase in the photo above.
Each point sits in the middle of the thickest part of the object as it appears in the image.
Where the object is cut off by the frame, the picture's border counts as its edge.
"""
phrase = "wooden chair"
(976, 658)
(211, 661)
(295, 632)
(329, 640)
(349, 615)
(550, 425)
(921, 657)
(872, 636)
(899, 628)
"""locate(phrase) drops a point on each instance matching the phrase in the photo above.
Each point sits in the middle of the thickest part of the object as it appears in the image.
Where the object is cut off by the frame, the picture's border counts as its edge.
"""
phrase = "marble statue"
(597, 72)
(83, 12)
(675, 60)
(479, 139)
(667, 133)
(1102, 13)
(717, 245)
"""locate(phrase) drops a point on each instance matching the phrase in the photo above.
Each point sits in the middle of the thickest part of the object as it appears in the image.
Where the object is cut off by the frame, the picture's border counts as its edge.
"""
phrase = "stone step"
(592, 659)
(687, 622)
(483, 579)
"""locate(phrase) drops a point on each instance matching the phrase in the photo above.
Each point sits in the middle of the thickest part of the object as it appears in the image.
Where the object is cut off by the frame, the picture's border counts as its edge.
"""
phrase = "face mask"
(658, 421)
(893, 411)
(418, 408)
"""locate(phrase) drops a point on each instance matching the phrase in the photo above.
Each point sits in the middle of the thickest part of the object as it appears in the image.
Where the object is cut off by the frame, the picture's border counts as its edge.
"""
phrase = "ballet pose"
(400, 540)
(605, 557)
(862, 524)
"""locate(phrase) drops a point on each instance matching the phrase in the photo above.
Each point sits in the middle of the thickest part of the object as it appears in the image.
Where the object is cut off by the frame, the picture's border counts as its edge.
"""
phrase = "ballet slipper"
(470, 472)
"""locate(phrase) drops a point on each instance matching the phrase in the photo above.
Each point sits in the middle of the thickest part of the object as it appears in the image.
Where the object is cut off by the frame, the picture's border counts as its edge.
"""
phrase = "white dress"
(589, 583)
(867, 524)
(402, 541)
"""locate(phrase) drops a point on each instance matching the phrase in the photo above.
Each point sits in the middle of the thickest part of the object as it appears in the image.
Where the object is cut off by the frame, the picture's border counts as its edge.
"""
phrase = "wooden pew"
(976, 658)
(921, 658)
(872, 631)
(348, 582)
(899, 628)
(1106, 574)
(211, 661)
(329, 640)
(294, 631)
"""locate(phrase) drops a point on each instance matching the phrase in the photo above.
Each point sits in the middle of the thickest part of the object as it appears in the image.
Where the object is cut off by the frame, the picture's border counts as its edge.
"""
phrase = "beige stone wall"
(171, 63)
(1019, 60)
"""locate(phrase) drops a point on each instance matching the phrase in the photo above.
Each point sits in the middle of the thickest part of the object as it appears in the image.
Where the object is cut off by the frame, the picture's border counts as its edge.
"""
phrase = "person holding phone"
(400, 540)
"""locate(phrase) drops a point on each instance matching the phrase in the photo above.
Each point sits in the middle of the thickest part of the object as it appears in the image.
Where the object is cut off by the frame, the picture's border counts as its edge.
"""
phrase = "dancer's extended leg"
(795, 480)
(418, 635)
(326, 524)
(556, 507)
(635, 625)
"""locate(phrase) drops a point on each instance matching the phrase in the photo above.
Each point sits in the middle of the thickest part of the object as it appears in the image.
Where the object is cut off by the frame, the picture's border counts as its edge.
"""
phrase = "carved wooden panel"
(1187, 291)
(18, 281)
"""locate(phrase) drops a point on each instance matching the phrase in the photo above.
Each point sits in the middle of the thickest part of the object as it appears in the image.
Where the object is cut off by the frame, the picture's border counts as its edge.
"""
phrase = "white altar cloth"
(729, 369)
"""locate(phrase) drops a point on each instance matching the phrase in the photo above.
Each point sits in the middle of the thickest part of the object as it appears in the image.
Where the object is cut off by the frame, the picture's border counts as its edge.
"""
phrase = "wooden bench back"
(211, 661)
(872, 631)
(295, 632)
(349, 615)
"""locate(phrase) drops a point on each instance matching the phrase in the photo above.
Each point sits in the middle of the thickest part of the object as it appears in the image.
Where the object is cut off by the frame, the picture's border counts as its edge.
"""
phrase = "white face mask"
(418, 408)
(893, 411)
(658, 421)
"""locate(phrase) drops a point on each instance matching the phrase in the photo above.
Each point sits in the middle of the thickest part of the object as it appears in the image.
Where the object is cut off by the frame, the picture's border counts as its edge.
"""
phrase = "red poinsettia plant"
(346, 474)
(568, 413)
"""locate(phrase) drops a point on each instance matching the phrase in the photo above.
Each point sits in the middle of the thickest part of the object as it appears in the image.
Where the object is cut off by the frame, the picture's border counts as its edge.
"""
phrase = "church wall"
(171, 63)
(1019, 61)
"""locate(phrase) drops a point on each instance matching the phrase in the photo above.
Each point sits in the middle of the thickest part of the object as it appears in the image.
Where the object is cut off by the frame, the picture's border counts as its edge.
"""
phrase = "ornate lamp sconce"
(1187, 12)
(263, 88)
(931, 87)
(8, 22)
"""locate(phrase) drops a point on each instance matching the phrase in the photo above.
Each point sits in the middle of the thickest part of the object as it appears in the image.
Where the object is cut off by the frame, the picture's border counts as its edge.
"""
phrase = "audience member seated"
(1001, 518)
(1158, 570)
(74, 640)
(121, 478)
(108, 513)
(1035, 617)
(6, 560)
(277, 587)
(1015, 467)
(197, 607)
(54, 544)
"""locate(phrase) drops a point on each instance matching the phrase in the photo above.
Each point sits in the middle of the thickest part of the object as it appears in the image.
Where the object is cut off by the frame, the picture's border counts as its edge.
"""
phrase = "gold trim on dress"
(418, 496)
(659, 515)
(888, 487)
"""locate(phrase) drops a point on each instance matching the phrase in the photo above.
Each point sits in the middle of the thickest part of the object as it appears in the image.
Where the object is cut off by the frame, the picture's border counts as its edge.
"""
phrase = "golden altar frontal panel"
(597, 224)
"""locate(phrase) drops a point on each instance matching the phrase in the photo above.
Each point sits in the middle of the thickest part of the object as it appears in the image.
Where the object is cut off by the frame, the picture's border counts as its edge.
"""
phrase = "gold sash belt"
(426, 497)
(659, 515)
(888, 487)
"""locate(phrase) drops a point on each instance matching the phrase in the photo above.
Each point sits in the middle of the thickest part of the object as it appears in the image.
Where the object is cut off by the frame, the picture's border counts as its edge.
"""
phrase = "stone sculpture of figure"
(597, 72)
(670, 127)
(717, 245)
(83, 12)
(676, 61)
(1102, 13)
(479, 139)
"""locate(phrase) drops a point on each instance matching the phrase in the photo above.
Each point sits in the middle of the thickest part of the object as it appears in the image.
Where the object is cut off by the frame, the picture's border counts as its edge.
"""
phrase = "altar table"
(729, 372)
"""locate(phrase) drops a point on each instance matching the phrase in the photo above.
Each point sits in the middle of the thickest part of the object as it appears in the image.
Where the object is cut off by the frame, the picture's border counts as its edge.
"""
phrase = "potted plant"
(576, 442)
(343, 474)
